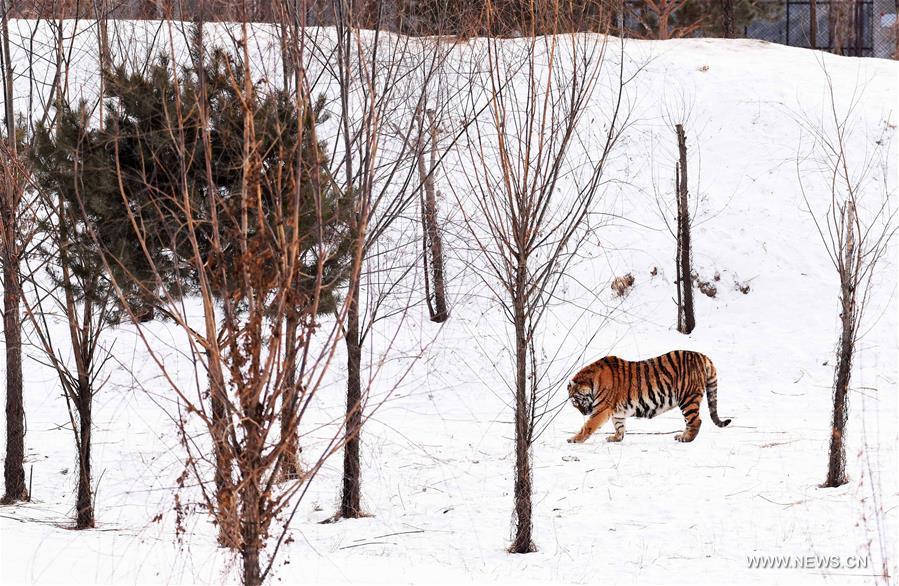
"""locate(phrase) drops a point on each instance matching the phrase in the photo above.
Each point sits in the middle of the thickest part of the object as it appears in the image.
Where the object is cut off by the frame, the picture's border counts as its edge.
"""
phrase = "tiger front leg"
(592, 424)
(618, 421)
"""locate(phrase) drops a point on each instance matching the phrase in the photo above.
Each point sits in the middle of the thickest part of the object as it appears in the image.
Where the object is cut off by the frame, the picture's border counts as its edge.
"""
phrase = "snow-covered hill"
(438, 455)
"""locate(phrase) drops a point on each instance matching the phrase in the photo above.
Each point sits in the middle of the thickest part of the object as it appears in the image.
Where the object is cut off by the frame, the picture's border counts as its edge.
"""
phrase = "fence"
(841, 26)
(865, 28)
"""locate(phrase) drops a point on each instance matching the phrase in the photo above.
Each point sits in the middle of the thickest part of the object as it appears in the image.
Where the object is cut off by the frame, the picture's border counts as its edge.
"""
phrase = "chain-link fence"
(853, 27)
(865, 28)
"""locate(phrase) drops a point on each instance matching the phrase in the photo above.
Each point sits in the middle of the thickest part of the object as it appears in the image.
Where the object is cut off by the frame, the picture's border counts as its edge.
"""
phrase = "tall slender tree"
(70, 167)
(381, 181)
(12, 185)
(686, 317)
(432, 235)
(522, 219)
(856, 226)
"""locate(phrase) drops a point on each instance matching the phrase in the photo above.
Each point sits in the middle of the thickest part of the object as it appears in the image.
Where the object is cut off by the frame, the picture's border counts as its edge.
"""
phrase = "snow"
(437, 454)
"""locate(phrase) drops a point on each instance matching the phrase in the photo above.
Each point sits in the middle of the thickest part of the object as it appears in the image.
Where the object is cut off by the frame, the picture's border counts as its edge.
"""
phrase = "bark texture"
(686, 319)
(12, 186)
(290, 467)
(433, 240)
(727, 18)
(522, 541)
(84, 504)
(836, 463)
(351, 494)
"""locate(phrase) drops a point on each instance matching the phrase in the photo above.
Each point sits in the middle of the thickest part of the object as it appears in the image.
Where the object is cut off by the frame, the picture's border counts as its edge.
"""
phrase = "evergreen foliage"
(139, 172)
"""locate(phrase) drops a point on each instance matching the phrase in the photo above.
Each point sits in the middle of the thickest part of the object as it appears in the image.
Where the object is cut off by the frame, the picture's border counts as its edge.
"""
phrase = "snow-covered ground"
(437, 454)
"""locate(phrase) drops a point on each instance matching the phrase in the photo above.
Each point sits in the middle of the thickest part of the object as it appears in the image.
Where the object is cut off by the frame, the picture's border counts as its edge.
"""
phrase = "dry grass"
(622, 285)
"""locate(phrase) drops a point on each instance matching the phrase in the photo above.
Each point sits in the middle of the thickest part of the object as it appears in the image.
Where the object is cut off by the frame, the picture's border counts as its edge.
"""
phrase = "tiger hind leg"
(690, 409)
(618, 421)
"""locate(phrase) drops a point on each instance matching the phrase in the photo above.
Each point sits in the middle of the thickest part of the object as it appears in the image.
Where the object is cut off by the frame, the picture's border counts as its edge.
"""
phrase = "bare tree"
(379, 78)
(657, 19)
(432, 238)
(680, 215)
(75, 290)
(841, 24)
(77, 294)
(17, 225)
(13, 187)
(856, 226)
(686, 319)
(289, 21)
(528, 202)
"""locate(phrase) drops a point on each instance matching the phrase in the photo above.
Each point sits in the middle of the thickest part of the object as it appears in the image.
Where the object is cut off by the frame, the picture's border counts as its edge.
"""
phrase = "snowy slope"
(437, 454)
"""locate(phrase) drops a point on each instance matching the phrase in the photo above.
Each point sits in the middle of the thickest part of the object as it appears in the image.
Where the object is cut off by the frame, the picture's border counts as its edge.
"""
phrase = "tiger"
(615, 388)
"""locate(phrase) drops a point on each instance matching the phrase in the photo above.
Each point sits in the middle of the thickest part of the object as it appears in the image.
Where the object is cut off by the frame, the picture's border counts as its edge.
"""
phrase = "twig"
(367, 543)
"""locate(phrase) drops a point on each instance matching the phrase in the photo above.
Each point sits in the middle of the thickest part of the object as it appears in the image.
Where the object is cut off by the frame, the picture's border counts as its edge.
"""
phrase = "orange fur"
(613, 388)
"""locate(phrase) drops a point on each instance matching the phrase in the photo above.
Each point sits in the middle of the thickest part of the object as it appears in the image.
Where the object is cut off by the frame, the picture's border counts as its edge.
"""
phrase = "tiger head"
(581, 395)
(591, 386)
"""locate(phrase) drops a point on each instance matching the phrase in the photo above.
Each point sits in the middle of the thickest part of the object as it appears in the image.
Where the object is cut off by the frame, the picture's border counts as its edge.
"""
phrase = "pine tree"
(121, 189)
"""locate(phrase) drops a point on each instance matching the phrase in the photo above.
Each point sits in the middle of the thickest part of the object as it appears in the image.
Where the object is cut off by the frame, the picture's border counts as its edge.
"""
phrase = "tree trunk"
(727, 18)
(858, 26)
(686, 318)
(522, 542)
(290, 467)
(84, 505)
(813, 24)
(836, 467)
(432, 236)
(836, 464)
(250, 495)
(350, 497)
(81, 342)
(14, 464)
(251, 571)
(663, 33)
(841, 26)
(224, 485)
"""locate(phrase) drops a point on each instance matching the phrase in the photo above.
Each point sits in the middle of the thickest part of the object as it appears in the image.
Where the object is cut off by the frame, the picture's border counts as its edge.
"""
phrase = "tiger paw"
(574, 440)
(683, 438)
(614, 438)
